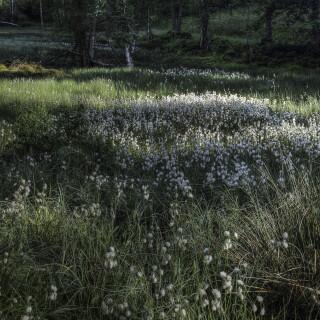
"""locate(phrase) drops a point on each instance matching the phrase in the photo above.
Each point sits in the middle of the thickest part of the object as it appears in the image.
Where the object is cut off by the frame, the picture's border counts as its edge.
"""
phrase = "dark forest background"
(269, 33)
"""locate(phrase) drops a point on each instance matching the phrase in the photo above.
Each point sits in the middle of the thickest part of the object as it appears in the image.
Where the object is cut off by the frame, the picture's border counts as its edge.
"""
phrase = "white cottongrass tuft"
(207, 259)
(110, 261)
(29, 309)
(216, 293)
(54, 294)
(254, 308)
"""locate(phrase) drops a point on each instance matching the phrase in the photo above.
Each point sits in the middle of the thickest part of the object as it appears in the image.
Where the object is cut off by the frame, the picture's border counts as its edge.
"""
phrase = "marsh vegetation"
(138, 193)
(186, 187)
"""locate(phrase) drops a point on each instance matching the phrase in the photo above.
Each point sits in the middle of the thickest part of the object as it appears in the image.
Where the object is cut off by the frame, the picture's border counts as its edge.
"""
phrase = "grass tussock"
(279, 231)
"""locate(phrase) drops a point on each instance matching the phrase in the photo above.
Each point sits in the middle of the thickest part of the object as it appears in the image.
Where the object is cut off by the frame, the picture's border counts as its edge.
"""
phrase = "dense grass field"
(160, 194)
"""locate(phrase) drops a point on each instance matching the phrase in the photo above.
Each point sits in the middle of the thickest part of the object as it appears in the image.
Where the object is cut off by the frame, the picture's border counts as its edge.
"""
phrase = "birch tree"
(124, 20)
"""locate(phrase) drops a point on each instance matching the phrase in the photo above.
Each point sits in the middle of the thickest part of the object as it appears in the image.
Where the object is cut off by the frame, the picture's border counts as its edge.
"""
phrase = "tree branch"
(99, 63)
(10, 23)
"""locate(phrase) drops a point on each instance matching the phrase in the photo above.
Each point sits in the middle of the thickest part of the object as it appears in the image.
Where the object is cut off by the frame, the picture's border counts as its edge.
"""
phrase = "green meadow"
(186, 187)
(160, 193)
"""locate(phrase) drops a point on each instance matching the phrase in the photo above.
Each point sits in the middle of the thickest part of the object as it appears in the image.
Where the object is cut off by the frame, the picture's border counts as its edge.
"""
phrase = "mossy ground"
(23, 69)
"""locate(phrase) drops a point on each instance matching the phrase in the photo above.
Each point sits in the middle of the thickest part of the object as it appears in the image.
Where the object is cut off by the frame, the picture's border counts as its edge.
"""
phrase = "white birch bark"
(128, 53)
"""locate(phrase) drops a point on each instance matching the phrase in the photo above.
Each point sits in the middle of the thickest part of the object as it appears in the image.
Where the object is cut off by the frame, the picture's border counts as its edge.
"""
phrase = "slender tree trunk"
(173, 18)
(269, 27)
(176, 18)
(82, 45)
(204, 40)
(150, 35)
(41, 16)
(129, 51)
(249, 48)
(179, 20)
(92, 38)
(269, 15)
(316, 32)
(12, 11)
(230, 9)
(74, 49)
(315, 23)
(128, 54)
(133, 45)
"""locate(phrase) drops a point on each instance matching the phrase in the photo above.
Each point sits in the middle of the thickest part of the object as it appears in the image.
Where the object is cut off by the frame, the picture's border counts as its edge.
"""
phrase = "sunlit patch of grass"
(286, 91)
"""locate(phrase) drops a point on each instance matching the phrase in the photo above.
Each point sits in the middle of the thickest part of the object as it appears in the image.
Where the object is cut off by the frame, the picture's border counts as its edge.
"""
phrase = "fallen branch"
(10, 23)
(93, 61)
(60, 56)
(102, 64)
(78, 54)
